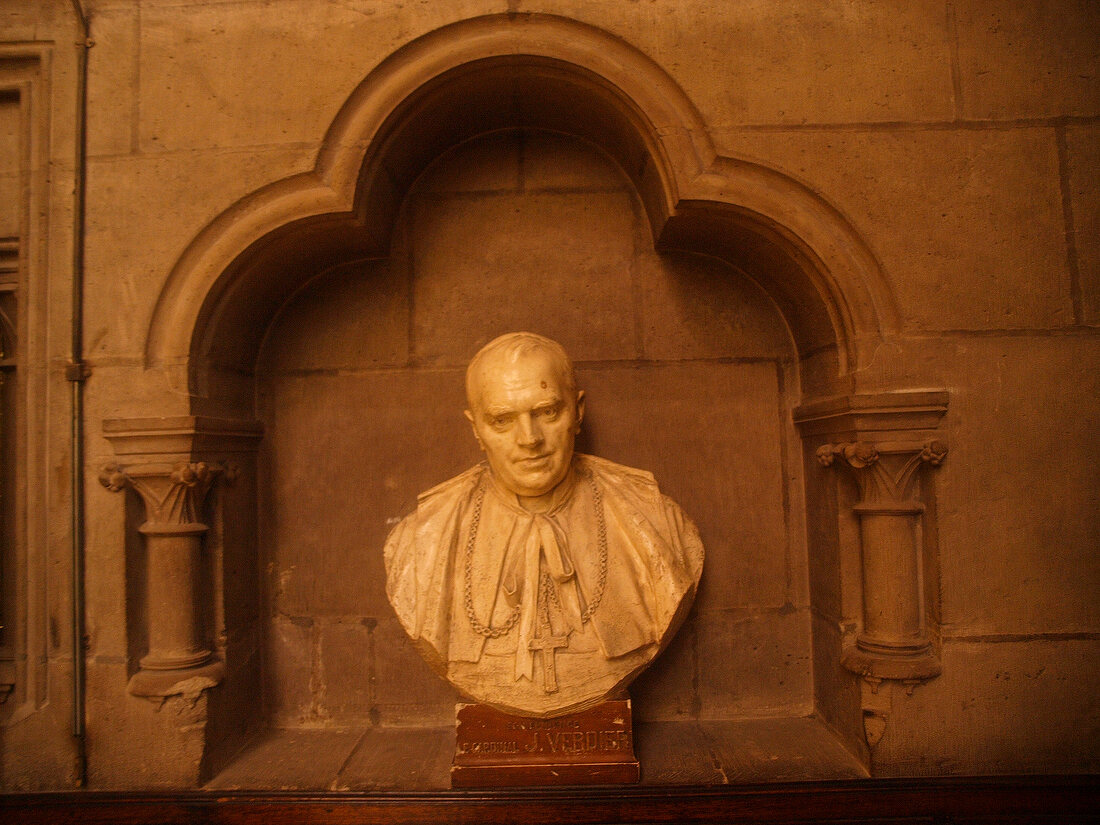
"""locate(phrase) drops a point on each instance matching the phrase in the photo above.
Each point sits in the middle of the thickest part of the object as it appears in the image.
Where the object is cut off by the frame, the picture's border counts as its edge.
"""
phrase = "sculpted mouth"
(534, 459)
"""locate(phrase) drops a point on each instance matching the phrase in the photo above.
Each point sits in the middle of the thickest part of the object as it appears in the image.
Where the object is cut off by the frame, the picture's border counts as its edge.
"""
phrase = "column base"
(191, 680)
(903, 666)
(187, 661)
(893, 649)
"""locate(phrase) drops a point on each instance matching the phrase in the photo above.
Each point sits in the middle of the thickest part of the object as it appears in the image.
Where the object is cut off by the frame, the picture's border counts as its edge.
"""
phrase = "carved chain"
(549, 594)
(468, 565)
(601, 537)
(490, 632)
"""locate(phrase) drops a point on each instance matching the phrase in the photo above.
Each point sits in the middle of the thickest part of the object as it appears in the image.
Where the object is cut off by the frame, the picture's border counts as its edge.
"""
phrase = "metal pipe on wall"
(76, 373)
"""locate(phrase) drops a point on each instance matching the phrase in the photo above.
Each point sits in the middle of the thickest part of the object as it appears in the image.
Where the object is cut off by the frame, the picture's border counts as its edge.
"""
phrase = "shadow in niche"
(230, 571)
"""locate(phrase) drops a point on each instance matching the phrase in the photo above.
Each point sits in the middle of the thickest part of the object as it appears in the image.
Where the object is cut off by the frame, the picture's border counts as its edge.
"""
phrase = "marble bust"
(540, 581)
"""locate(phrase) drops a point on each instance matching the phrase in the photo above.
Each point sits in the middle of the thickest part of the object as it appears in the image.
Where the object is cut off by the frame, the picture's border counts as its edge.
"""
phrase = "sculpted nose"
(528, 432)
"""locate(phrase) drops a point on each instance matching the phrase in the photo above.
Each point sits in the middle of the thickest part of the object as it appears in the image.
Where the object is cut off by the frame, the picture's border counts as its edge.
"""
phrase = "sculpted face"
(525, 418)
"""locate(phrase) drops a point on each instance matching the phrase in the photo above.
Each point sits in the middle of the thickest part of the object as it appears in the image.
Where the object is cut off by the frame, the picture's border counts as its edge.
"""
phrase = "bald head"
(509, 349)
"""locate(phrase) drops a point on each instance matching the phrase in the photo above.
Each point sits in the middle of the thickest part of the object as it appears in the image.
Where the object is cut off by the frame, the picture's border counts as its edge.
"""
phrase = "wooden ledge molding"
(1002, 800)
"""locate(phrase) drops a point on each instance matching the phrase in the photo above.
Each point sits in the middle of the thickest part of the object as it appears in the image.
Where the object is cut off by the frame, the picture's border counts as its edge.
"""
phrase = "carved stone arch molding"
(469, 78)
(543, 72)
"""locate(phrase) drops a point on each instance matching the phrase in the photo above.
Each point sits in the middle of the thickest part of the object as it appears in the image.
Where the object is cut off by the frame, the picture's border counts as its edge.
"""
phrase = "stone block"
(540, 263)
(675, 753)
(344, 471)
(1083, 172)
(836, 63)
(13, 139)
(135, 743)
(289, 760)
(121, 391)
(769, 63)
(27, 20)
(1027, 706)
(408, 692)
(142, 213)
(825, 557)
(105, 574)
(415, 759)
(254, 74)
(667, 689)
(113, 70)
(236, 718)
(1017, 497)
(347, 668)
(807, 750)
(726, 417)
(754, 663)
(552, 163)
(39, 749)
(490, 163)
(942, 216)
(234, 543)
(696, 307)
(742, 752)
(837, 699)
(353, 317)
(289, 672)
(1028, 59)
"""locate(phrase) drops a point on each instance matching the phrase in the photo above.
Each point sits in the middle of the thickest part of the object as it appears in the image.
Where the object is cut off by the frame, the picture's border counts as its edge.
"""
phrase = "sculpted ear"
(580, 408)
(470, 417)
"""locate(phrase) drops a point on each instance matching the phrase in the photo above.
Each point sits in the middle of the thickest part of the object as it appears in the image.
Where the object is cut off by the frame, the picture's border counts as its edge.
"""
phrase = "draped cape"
(654, 560)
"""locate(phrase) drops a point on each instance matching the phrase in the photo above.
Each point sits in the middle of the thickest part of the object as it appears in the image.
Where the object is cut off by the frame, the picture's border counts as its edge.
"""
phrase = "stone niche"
(688, 368)
(509, 173)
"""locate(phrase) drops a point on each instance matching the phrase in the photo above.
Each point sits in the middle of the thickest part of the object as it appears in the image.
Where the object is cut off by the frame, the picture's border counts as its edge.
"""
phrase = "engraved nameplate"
(593, 746)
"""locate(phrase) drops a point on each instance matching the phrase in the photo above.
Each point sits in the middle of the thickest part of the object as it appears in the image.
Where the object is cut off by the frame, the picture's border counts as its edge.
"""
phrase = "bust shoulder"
(614, 474)
(459, 485)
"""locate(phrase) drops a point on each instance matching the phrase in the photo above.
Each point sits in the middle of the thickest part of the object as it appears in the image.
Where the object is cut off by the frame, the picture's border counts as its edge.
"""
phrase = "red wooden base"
(590, 747)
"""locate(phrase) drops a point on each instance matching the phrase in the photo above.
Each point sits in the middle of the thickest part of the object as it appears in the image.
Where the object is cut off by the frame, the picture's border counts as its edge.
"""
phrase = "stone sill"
(419, 759)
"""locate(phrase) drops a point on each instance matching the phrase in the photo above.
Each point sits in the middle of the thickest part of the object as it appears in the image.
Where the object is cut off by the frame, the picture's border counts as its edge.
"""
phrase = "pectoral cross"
(548, 645)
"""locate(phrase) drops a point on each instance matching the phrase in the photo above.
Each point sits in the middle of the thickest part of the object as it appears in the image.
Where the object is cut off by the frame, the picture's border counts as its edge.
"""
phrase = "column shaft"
(172, 558)
(893, 614)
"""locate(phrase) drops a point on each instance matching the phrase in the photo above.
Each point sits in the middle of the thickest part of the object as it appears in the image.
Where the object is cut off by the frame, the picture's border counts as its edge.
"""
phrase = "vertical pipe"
(76, 374)
(78, 582)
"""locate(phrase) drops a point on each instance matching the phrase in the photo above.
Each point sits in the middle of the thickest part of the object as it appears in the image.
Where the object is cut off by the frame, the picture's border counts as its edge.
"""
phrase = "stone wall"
(955, 142)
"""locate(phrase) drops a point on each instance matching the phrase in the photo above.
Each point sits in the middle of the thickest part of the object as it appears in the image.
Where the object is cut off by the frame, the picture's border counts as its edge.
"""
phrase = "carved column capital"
(173, 494)
(885, 471)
